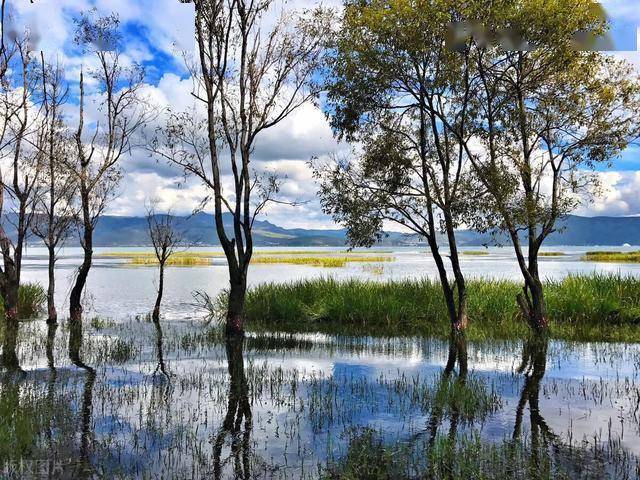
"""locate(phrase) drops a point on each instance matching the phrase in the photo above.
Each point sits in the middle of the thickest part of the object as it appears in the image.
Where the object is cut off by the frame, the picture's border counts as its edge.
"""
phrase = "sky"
(155, 31)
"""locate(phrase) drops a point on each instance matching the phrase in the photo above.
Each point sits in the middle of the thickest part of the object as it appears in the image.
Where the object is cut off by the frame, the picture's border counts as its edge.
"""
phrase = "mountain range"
(199, 229)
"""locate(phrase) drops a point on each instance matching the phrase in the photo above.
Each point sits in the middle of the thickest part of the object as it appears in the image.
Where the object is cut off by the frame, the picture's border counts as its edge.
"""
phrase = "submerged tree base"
(588, 308)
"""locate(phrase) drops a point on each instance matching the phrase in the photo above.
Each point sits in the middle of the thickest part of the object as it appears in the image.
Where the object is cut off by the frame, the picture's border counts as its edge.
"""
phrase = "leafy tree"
(392, 79)
(545, 117)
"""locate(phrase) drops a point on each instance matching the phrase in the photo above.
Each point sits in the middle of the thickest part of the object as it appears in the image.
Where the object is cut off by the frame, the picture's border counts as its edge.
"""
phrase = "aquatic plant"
(32, 298)
(174, 261)
(327, 261)
(623, 257)
(591, 307)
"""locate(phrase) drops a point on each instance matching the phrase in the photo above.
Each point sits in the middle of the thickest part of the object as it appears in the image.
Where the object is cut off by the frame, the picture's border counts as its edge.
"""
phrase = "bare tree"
(5, 50)
(55, 208)
(164, 238)
(98, 151)
(250, 78)
(23, 135)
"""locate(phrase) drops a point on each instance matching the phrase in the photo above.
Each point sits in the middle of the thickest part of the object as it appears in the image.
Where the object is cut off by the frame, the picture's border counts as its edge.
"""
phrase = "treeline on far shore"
(594, 307)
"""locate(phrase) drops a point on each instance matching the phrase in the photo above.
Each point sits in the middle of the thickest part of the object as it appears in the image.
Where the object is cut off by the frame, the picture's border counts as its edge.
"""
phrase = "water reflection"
(189, 404)
(237, 423)
(9, 357)
(533, 366)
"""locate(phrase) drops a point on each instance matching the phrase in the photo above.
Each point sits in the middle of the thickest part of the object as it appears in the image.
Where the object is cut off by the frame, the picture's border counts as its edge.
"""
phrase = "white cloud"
(285, 148)
(621, 195)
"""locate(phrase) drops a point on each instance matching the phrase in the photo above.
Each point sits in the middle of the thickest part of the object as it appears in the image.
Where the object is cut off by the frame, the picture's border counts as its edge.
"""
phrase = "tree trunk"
(75, 305)
(51, 290)
(461, 320)
(10, 340)
(235, 307)
(156, 309)
(533, 305)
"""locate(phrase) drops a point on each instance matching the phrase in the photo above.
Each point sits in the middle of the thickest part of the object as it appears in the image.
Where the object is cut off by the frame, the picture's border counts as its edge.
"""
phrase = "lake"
(180, 403)
(118, 290)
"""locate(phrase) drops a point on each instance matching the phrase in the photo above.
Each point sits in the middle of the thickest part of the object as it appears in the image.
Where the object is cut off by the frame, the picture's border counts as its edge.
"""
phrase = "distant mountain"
(200, 230)
(574, 230)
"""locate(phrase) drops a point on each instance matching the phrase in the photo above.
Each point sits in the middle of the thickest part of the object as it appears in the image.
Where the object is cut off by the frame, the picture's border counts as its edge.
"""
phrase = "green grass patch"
(32, 298)
(587, 308)
(624, 257)
(369, 456)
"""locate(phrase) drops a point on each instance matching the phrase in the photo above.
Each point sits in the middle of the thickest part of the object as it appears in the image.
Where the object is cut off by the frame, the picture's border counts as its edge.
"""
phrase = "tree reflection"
(533, 366)
(86, 423)
(457, 355)
(238, 411)
(9, 358)
(86, 410)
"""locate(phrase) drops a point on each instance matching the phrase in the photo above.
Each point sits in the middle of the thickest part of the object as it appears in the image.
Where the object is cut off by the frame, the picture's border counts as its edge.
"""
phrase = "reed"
(623, 257)
(475, 253)
(552, 254)
(174, 261)
(593, 307)
(327, 261)
(32, 298)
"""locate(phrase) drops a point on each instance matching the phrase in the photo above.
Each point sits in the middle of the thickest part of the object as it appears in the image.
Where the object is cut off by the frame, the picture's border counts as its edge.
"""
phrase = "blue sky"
(154, 30)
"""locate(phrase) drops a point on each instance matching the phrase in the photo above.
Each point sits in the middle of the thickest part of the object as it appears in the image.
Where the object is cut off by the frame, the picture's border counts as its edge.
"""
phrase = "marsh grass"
(623, 257)
(31, 301)
(177, 261)
(552, 254)
(475, 253)
(100, 323)
(319, 258)
(327, 261)
(369, 456)
(116, 351)
(590, 308)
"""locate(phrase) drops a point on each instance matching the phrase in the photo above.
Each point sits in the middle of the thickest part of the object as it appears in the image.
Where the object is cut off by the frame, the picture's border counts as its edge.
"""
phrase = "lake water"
(118, 290)
(297, 406)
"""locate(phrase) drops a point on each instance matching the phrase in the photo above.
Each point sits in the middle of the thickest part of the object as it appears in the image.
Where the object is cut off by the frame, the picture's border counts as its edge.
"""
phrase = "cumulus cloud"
(155, 31)
(620, 196)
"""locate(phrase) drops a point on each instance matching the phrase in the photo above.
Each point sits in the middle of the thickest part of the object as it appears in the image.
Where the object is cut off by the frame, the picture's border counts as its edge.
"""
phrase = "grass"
(475, 253)
(319, 258)
(590, 308)
(174, 261)
(369, 456)
(552, 254)
(328, 261)
(624, 257)
(32, 298)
